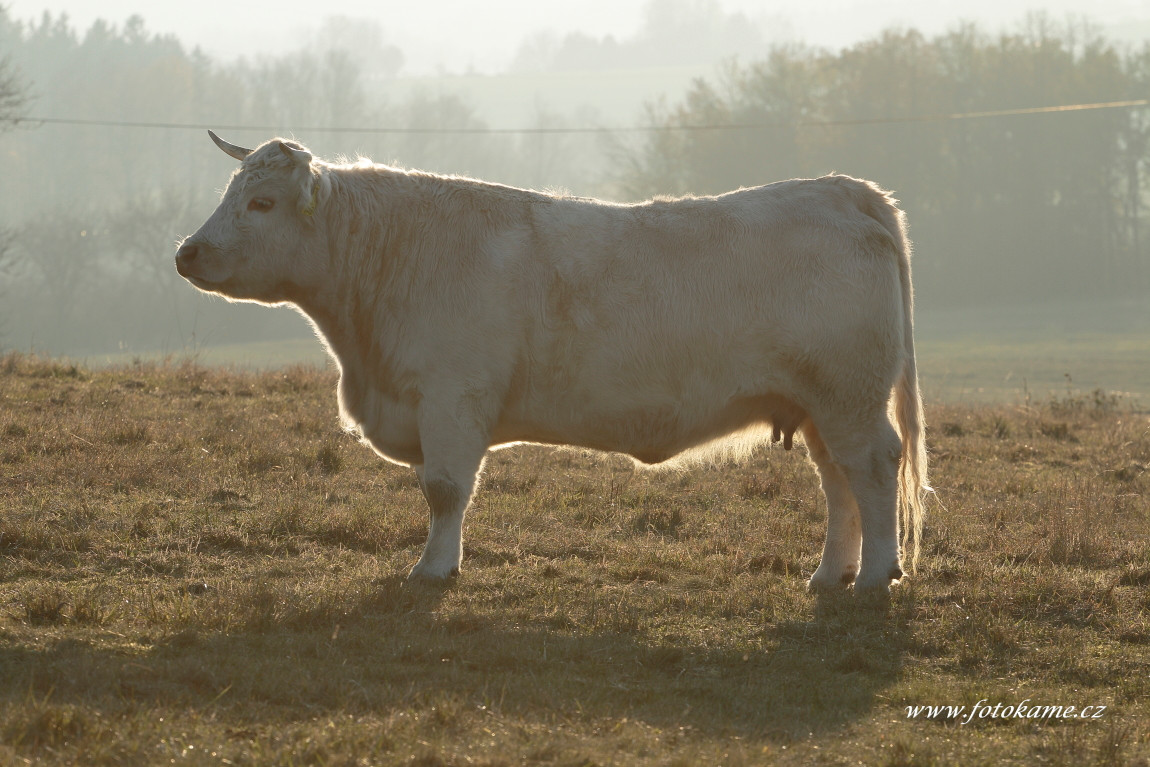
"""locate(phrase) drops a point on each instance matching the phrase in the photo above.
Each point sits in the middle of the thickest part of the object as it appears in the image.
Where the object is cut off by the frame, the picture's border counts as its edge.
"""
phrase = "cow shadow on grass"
(395, 650)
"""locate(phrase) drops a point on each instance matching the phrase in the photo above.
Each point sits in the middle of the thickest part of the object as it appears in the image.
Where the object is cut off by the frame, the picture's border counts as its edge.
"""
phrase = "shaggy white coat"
(466, 315)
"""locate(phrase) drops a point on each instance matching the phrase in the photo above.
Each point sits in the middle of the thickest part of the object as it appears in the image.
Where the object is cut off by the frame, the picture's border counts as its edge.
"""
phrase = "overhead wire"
(735, 126)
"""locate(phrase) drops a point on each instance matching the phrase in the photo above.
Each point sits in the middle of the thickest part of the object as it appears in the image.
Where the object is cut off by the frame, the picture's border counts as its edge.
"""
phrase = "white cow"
(465, 316)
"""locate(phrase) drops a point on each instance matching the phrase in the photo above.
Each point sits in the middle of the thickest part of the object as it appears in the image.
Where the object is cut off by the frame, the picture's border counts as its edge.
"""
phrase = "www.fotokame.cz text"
(983, 710)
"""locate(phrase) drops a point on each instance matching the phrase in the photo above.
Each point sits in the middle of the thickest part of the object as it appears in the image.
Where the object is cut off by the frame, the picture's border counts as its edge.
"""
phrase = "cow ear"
(299, 156)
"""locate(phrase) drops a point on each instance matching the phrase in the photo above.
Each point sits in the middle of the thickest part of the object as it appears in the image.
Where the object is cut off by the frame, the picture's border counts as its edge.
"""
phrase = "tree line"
(1030, 207)
(1024, 207)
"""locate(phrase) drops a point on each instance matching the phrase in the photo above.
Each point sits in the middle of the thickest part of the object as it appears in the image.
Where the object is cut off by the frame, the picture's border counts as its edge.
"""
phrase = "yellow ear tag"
(310, 209)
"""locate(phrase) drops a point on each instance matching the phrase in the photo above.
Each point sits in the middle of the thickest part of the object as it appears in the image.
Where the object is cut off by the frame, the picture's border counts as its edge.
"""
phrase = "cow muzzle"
(186, 258)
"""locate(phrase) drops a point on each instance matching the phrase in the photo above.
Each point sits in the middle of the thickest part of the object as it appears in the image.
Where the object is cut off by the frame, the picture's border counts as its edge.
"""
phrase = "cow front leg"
(448, 478)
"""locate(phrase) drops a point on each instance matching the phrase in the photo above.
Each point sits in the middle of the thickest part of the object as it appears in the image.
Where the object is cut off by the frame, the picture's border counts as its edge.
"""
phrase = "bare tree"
(13, 98)
(13, 94)
(7, 270)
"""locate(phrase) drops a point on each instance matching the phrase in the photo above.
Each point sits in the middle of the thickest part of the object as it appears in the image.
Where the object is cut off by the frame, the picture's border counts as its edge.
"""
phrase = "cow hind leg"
(870, 463)
(840, 561)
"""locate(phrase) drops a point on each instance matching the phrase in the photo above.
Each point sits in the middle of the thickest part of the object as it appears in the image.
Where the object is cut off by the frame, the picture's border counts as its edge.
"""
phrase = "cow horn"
(301, 156)
(238, 152)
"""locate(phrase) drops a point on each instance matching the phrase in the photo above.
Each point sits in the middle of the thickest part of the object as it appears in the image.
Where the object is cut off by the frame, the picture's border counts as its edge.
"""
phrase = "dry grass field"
(198, 567)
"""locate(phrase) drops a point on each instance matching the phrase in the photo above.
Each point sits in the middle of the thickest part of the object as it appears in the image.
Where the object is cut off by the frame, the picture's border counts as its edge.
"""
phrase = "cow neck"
(361, 240)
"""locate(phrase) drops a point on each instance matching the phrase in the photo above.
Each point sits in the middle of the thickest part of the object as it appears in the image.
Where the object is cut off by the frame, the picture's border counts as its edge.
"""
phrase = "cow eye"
(262, 204)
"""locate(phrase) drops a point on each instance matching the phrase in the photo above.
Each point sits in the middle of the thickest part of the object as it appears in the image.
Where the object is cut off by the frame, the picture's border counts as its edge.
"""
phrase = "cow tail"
(907, 407)
(912, 471)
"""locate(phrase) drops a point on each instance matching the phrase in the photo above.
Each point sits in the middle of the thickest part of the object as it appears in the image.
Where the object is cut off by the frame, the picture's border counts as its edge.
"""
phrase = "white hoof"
(878, 580)
(828, 580)
(431, 574)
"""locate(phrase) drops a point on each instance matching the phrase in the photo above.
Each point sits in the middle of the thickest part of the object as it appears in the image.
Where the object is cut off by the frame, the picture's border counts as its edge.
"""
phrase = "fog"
(1034, 223)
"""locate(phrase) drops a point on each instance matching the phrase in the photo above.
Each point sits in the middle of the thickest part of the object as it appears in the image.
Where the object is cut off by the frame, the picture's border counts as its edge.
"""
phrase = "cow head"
(262, 243)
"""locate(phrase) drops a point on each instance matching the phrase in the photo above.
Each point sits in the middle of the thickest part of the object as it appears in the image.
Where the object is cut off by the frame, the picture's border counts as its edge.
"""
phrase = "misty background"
(1026, 226)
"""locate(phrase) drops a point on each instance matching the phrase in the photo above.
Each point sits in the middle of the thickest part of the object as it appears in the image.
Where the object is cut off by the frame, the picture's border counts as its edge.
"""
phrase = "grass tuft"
(41, 726)
(328, 460)
(46, 606)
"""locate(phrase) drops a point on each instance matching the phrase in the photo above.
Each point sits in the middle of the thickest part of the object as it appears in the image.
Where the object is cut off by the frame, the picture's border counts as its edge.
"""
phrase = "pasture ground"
(198, 567)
